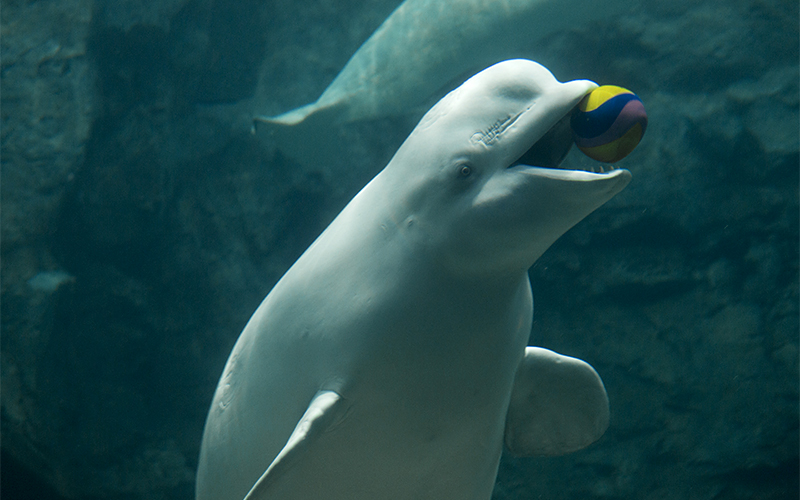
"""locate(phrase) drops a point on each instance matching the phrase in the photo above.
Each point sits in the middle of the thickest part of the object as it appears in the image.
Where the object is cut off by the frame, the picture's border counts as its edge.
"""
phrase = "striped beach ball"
(609, 123)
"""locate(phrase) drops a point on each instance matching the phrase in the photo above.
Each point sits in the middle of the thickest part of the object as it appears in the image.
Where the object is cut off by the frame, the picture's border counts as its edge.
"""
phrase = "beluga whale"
(391, 361)
(421, 48)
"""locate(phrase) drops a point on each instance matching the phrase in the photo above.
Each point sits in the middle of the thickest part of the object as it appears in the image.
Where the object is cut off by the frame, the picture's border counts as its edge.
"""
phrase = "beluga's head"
(477, 184)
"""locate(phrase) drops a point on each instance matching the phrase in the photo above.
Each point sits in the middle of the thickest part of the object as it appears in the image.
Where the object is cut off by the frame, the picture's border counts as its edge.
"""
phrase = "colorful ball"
(609, 123)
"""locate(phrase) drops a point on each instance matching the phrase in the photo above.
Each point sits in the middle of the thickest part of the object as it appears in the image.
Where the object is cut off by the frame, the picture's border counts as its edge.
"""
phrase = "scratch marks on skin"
(496, 129)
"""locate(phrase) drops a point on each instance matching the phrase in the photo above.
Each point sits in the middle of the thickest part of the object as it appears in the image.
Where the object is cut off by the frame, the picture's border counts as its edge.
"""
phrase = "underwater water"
(142, 224)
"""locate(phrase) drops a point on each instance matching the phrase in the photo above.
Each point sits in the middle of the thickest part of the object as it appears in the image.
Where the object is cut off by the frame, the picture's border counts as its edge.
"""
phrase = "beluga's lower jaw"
(348, 383)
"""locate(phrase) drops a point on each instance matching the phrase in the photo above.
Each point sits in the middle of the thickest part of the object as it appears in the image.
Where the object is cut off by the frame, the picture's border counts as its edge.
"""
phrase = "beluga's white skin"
(390, 362)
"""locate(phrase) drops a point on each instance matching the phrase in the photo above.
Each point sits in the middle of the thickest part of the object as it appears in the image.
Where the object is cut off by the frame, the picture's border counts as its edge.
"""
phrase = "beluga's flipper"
(558, 405)
(326, 410)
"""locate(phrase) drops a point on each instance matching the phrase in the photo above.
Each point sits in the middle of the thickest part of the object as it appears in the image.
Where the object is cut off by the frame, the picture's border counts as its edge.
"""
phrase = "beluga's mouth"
(551, 149)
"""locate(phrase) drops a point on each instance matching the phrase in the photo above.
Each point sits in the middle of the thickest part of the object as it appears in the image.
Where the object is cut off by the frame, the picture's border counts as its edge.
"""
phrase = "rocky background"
(142, 224)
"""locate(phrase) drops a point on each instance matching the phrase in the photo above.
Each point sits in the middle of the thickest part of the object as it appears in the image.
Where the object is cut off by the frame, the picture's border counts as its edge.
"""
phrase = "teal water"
(128, 170)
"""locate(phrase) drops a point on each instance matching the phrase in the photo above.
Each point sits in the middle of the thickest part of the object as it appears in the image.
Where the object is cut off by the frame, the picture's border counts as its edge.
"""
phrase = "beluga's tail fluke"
(306, 134)
(288, 119)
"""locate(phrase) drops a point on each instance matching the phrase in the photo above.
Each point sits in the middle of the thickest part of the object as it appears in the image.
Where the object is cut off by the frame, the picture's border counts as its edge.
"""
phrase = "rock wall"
(48, 100)
(142, 224)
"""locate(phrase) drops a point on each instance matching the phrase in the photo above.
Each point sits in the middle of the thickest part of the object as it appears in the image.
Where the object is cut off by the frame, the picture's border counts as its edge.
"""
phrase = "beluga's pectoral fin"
(558, 405)
(325, 411)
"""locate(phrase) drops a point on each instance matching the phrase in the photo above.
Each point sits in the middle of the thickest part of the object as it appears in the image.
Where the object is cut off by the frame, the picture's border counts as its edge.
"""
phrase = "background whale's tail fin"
(290, 118)
(306, 134)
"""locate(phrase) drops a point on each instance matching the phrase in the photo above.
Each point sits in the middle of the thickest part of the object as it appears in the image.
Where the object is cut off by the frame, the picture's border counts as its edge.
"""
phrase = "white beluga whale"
(419, 49)
(391, 360)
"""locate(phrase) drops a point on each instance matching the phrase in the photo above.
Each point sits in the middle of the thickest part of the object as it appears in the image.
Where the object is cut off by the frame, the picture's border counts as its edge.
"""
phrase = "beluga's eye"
(465, 170)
